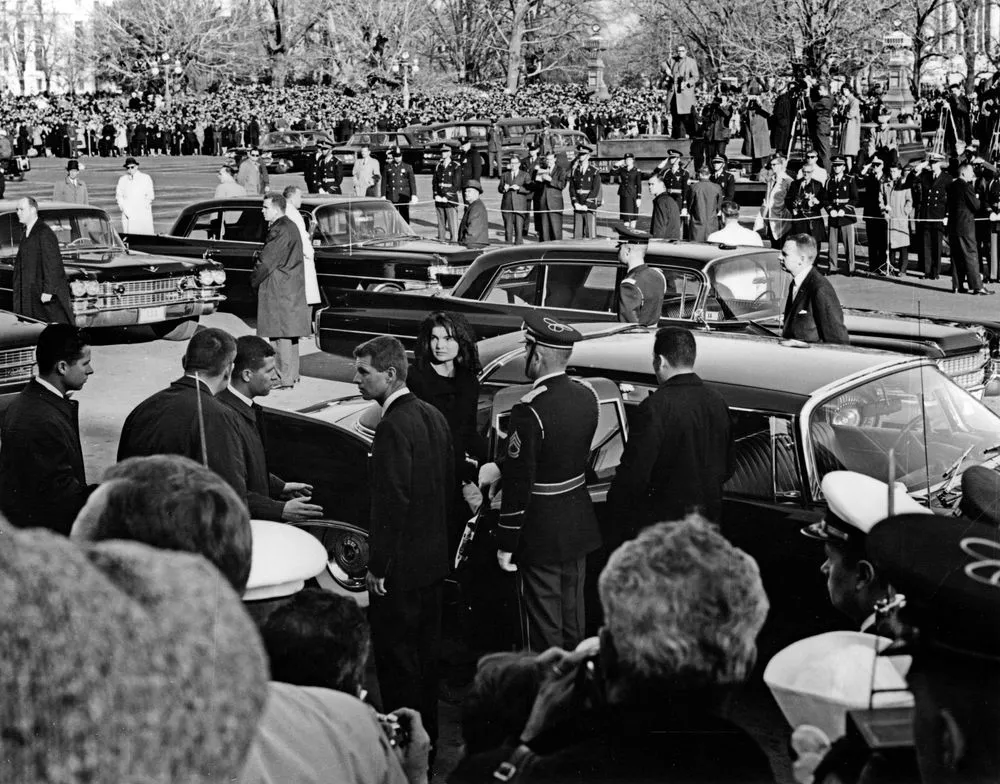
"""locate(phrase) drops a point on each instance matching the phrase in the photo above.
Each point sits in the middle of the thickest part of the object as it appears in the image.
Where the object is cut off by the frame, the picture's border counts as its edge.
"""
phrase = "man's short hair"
(805, 244)
(730, 209)
(290, 190)
(251, 351)
(318, 638)
(677, 345)
(229, 170)
(173, 503)
(59, 343)
(966, 167)
(209, 352)
(254, 149)
(683, 607)
(277, 200)
(385, 352)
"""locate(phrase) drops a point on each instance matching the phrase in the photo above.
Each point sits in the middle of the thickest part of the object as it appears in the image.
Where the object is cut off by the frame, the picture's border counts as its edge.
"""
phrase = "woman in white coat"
(134, 195)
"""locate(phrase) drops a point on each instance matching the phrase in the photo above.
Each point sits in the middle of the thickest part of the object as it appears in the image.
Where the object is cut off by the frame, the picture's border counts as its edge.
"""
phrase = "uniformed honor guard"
(856, 502)
(932, 213)
(946, 575)
(584, 194)
(445, 183)
(399, 185)
(841, 203)
(547, 523)
(328, 172)
(629, 191)
(722, 178)
(676, 181)
(640, 295)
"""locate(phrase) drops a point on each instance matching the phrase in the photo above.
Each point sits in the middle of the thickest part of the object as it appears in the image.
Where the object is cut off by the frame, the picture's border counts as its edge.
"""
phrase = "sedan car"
(709, 288)
(286, 151)
(18, 338)
(379, 142)
(111, 285)
(358, 242)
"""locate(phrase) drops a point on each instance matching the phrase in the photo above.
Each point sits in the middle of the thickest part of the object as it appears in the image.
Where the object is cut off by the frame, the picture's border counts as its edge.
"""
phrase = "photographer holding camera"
(682, 609)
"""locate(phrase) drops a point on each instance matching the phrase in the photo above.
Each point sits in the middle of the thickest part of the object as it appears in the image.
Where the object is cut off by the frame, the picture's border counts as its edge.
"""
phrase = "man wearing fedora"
(72, 189)
(134, 195)
(474, 230)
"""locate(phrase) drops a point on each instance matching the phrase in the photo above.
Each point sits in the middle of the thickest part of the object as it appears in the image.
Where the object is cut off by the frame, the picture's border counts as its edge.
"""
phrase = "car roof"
(11, 204)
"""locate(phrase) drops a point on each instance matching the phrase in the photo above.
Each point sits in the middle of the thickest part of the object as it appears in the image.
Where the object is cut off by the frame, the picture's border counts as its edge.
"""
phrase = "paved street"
(130, 365)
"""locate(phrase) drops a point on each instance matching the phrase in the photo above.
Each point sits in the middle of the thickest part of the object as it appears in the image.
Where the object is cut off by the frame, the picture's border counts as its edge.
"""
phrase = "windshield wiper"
(951, 475)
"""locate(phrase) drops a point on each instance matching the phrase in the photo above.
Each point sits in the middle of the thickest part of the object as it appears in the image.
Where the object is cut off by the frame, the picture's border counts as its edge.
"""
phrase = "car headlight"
(206, 276)
(218, 276)
(93, 288)
(78, 288)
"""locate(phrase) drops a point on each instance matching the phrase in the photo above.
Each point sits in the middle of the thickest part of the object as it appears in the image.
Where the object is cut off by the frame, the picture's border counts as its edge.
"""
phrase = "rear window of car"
(232, 225)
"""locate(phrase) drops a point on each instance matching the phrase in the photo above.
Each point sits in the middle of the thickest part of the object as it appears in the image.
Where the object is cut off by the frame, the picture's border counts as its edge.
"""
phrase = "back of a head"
(677, 345)
(805, 244)
(683, 608)
(318, 638)
(210, 352)
(173, 503)
(730, 210)
(500, 701)
(59, 343)
(121, 663)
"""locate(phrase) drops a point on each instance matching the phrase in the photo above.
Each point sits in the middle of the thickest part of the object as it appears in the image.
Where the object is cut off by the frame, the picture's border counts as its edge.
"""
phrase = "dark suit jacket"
(472, 166)
(962, 207)
(167, 424)
(38, 269)
(678, 456)
(263, 488)
(398, 183)
(42, 479)
(666, 221)
(474, 229)
(815, 315)
(412, 480)
(552, 190)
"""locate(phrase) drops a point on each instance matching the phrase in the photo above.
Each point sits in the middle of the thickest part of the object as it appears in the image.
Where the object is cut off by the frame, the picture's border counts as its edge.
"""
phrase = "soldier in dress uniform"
(855, 503)
(676, 180)
(328, 172)
(841, 202)
(445, 183)
(629, 191)
(584, 194)
(547, 523)
(932, 212)
(640, 295)
(722, 178)
(946, 574)
(399, 185)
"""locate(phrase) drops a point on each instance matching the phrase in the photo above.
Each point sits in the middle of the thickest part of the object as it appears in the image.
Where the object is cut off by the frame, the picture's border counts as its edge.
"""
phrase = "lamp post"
(595, 67)
(163, 64)
(898, 96)
(404, 66)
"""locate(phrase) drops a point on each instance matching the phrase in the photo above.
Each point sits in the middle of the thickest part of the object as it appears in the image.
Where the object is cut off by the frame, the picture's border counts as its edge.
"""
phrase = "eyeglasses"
(254, 155)
(132, 168)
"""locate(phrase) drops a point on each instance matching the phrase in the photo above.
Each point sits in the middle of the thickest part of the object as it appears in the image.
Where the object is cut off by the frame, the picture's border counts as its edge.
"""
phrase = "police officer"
(676, 181)
(629, 190)
(841, 204)
(856, 502)
(584, 193)
(640, 295)
(946, 572)
(722, 178)
(547, 523)
(932, 213)
(399, 185)
(446, 183)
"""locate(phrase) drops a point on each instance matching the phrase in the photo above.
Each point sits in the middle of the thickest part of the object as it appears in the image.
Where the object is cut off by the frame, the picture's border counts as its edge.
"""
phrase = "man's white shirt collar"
(241, 396)
(398, 393)
(49, 387)
(799, 278)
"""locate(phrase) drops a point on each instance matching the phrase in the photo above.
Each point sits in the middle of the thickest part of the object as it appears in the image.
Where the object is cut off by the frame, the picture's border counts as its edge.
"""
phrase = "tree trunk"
(279, 68)
(515, 59)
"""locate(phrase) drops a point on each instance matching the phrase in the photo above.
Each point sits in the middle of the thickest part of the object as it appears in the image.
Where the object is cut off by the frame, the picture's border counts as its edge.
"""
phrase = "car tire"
(347, 552)
(176, 330)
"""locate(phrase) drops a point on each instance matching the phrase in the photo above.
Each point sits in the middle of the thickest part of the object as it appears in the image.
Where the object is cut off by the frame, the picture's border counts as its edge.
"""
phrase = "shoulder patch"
(514, 446)
(534, 393)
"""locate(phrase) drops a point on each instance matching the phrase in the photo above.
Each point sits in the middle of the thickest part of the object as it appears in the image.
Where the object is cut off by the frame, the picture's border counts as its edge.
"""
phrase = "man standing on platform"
(684, 73)
(399, 186)
(279, 280)
(547, 522)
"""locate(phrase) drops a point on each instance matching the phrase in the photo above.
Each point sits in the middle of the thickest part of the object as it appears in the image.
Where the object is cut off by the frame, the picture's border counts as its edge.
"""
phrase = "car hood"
(951, 339)
(119, 265)
(18, 331)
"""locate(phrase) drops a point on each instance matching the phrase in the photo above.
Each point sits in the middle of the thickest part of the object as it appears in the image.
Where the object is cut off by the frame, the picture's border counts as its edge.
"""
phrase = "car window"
(346, 222)
(745, 287)
(607, 453)
(75, 230)
(477, 132)
(402, 140)
(10, 237)
(515, 285)
(580, 287)
(764, 457)
(680, 297)
(232, 225)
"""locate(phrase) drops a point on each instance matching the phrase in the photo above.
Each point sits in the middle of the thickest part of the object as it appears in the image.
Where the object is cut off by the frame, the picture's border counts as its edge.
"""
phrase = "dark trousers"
(402, 207)
(552, 225)
(964, 260)
(900, 257)
(446, 219)
(811, 226)
(406, 640)
(550, 604)
(821, 145)
(584, 224)
(847, 233)
(878, 243)
(684, 124)
(929, 248)
(513, 227)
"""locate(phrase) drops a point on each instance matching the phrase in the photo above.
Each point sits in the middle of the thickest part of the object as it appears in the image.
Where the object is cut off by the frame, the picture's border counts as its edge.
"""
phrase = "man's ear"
(866, 573)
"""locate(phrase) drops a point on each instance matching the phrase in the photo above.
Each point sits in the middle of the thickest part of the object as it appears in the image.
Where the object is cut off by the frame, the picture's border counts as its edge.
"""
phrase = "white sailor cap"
(855, 503)
(284, 557)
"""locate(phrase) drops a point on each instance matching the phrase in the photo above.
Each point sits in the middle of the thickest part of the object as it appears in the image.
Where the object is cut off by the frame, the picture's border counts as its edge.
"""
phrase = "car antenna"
(201, 420)
(923, 416)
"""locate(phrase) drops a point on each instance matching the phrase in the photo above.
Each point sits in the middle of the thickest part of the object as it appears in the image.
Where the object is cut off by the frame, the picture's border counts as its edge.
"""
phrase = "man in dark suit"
(268, 496)
(40, 289)
(399, 185)
(547, 521)
(532, 163)
(470, 161)
(552, 180)
(679, 452)
(963, 204)
(812, 310)
(516, 189)
(445, 184)
(932, 212)
(474, 230)
(186, 419)
(412, 476)
(665, 223)
(42, 479)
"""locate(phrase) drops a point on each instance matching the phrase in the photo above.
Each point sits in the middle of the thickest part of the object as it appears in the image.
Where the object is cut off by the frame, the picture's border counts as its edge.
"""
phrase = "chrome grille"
(144, 293)
(17, 364)
(967, 370)
(140, 286)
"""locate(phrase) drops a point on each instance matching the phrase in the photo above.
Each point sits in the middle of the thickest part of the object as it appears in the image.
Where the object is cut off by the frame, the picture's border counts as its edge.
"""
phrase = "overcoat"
(279, 279)
(38, 269)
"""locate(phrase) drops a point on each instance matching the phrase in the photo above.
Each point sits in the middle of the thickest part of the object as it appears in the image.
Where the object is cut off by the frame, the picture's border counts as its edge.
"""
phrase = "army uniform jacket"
(546, 515)
(933, 195)
(727, 182)
(640, 296)
(585, 187)
(678, 184)
(399, 183)
(842, 194)
(447, 181)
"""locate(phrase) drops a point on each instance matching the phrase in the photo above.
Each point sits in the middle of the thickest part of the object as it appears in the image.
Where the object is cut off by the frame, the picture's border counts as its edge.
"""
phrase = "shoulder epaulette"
(534, 393)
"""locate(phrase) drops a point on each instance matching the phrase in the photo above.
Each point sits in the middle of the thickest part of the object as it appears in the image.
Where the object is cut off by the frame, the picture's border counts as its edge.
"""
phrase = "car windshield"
(346, 223)
(932, 427)
(748, 287)
(373, 139)
(76, 231)
(282, 139)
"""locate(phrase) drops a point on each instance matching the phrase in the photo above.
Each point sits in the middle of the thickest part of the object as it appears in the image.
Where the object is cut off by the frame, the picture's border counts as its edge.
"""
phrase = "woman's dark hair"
(458, 327)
